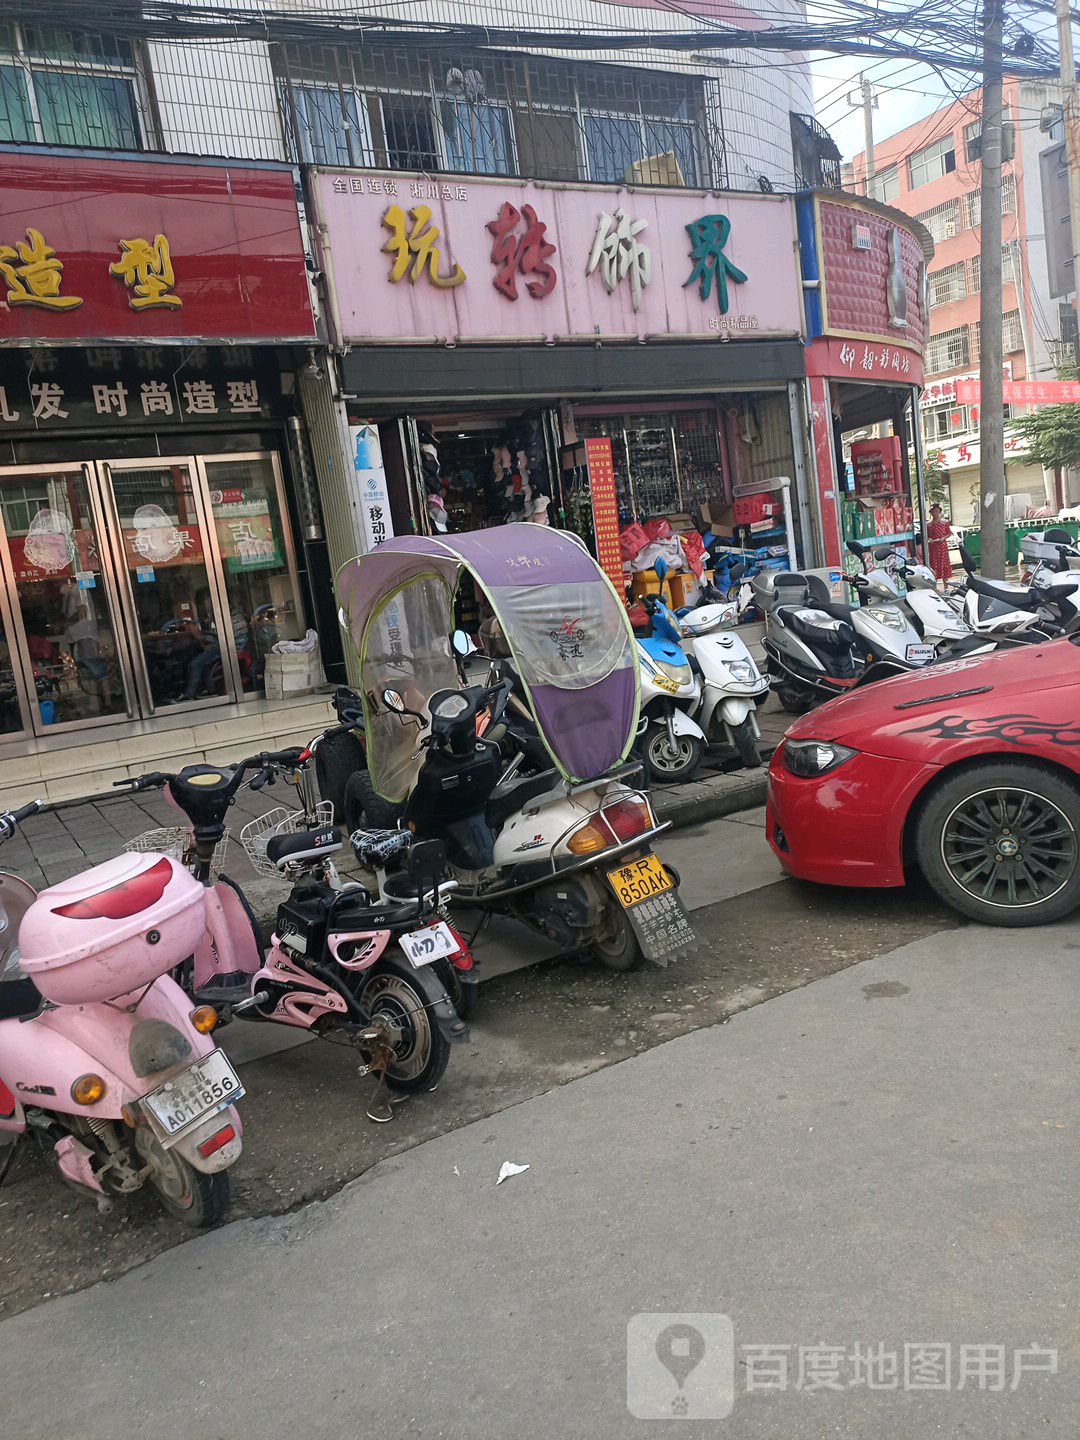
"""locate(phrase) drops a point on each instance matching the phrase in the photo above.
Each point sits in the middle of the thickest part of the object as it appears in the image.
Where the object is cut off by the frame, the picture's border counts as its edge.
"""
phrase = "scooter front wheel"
(746, 743)
(672, 764)
(393, 999)
(197, 1199)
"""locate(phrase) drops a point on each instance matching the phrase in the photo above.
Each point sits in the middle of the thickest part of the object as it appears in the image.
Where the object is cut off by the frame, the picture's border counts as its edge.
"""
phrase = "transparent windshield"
(407, 649)
(568, 635)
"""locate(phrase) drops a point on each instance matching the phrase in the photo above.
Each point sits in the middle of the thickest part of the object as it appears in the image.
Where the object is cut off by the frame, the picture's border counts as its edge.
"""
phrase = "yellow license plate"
(640, 880)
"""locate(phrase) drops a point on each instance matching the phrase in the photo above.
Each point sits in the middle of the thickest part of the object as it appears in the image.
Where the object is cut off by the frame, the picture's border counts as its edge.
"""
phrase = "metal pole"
(992, 418)
(1070, 109)
(868, 129)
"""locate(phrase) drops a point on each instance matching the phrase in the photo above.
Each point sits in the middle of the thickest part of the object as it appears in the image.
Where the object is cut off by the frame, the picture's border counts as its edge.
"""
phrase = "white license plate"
(200, 1090)
(920, 654)
(434, 942)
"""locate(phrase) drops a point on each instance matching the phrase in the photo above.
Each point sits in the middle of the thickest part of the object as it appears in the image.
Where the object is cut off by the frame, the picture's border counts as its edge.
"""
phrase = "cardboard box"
(720, 519)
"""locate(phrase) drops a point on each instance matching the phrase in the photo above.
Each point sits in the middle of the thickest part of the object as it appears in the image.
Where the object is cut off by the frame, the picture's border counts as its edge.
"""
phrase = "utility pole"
(1070, 114)
(865, 97)
(992, 417)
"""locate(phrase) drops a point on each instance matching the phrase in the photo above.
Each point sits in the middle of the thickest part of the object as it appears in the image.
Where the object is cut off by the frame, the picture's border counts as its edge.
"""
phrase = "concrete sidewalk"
(883, 1158)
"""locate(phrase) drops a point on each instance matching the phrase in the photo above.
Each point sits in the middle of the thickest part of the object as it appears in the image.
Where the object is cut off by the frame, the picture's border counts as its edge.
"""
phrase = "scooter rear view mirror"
(393, 701)
(461, 644)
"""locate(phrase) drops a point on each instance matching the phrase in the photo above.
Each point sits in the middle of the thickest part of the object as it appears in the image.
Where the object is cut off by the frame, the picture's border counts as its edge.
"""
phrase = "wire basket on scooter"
(178, 842)
(280, 821)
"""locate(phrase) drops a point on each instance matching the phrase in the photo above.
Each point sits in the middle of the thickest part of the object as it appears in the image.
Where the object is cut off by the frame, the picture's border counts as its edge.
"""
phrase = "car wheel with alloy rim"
(1000, 842)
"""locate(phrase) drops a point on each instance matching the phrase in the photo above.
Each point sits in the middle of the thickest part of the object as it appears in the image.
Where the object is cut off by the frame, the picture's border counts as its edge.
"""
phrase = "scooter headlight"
(744, 671)
(811, 758)
(680, 674)
(887, 616)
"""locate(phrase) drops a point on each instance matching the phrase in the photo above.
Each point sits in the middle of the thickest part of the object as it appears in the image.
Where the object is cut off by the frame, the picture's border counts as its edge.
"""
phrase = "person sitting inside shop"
(205, 660)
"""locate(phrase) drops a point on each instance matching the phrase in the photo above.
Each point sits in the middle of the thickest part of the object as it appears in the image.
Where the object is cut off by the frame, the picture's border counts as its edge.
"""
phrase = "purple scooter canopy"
(568, 632)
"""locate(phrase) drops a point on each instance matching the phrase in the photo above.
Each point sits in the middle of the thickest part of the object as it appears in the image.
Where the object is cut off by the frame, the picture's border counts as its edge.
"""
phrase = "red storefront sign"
(1022, 392)
(864, 360)
(149, 250)
(605, 508)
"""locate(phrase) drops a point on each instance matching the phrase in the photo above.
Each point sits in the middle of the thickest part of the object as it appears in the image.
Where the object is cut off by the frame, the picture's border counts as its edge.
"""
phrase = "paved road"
(884, 1157)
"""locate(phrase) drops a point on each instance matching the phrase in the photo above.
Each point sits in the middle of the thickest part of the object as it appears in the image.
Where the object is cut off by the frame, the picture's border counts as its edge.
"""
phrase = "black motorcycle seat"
(1003, 593)
(303, 844)
(502, 804)
(376, 848)
(963, 646)
(19, 999)
(799, 619)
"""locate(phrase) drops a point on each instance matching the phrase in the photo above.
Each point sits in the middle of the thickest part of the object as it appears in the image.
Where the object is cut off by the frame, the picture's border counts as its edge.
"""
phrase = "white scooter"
(1002, 610)
(732, 685)
(671, 742)
(939, 622)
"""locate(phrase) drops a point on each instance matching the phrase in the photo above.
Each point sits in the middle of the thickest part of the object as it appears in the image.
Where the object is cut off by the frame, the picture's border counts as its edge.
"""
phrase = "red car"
(969, 770)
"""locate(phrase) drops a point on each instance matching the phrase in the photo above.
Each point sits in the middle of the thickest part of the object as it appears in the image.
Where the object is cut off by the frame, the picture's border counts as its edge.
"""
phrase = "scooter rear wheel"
(423, 1051)
(616, 946)
(197, 1199)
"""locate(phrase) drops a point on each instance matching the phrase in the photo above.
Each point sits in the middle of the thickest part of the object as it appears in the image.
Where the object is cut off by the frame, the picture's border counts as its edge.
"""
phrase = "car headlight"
(888, 616)
(680, 674)
(814, 757)
(744, 671)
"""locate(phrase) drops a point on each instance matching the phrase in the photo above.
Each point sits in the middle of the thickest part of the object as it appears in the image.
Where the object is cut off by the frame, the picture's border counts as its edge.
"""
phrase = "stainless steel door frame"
(107, 468)
(206, 465)
(11, 613)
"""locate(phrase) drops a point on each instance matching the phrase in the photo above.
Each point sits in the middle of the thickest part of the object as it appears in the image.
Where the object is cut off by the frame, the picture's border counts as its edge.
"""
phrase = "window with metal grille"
(665, 462)
(976, 342)
(885, 185)
(943, 221)
(398, 108)
(972, 202)
(948, 351)
(947, 284)
(1008, 272)
(1012, 337)
(932, 162)
(63, 88)
(947, 420)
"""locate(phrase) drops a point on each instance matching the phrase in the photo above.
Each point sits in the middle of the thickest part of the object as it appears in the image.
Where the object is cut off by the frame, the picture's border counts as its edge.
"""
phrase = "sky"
(905, 92)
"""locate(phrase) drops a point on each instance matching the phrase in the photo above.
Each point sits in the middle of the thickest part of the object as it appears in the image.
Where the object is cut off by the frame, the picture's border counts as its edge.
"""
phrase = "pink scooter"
(103, 1058)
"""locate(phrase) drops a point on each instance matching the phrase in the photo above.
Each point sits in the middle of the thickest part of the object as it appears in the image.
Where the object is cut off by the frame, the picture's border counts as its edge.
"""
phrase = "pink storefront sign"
(448, 259)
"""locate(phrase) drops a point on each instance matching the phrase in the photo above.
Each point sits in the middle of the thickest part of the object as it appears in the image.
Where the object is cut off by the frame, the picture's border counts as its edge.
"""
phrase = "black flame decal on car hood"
(1013, 729)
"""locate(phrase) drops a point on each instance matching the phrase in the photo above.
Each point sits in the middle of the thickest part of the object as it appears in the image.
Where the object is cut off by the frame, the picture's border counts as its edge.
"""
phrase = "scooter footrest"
(224, 989)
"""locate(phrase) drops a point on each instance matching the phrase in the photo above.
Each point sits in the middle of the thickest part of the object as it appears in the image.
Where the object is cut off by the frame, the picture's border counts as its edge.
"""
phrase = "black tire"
(794, 700)
(745, 738)
(365, 808)
(187, 1194)
(1000, 842)
(663, 766)
(424, 1051)
(336, 759)
(616, 947)
(464, 997)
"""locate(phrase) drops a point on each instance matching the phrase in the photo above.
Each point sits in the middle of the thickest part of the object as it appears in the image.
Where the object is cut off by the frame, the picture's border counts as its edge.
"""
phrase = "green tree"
(1051, 436)
(936, 481)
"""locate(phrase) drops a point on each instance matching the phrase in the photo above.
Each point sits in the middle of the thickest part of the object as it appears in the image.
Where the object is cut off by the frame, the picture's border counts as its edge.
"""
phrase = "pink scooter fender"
(231, 944)
(41, 1058)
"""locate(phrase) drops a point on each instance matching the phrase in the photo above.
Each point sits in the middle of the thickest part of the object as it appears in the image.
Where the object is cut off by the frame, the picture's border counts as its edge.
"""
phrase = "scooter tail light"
(628, 818)
(589, 839)
(128, 898)
(217, 1141)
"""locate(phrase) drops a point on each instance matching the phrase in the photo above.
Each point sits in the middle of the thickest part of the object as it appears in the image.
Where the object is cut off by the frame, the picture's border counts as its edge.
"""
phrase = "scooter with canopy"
(566, 848)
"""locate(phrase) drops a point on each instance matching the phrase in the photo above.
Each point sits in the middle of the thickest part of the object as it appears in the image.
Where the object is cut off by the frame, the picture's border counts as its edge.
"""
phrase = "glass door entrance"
(135, 587)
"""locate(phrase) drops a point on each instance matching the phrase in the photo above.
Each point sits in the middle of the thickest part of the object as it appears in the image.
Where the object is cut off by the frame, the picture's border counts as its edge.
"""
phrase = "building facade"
(932, 170)
(262, 292)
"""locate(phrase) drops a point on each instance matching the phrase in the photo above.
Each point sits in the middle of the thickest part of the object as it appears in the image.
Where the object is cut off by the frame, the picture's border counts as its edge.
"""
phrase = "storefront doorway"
(133, 587)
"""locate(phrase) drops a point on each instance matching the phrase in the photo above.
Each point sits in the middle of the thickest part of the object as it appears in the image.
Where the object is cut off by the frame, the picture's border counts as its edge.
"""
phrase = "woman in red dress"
(937, 535)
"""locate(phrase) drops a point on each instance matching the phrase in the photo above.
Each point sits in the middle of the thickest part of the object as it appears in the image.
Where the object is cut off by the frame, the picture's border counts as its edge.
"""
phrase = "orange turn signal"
(88, 1089)
(589, 839)
(204, 1019)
